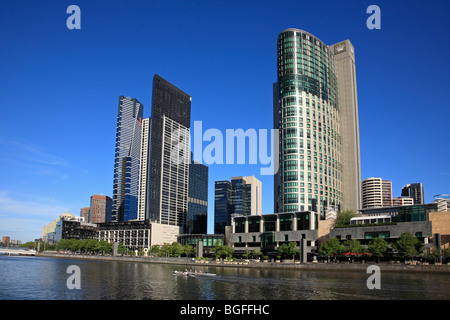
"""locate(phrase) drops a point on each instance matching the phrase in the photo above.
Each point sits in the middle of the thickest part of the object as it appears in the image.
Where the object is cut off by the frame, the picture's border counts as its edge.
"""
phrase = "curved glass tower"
(306, 112)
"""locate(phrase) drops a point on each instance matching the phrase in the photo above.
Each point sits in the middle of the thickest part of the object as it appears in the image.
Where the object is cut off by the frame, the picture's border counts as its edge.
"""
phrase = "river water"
(45, 278)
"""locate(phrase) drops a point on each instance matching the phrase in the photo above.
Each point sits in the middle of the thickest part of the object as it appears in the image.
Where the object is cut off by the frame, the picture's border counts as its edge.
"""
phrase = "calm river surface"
(45, 278)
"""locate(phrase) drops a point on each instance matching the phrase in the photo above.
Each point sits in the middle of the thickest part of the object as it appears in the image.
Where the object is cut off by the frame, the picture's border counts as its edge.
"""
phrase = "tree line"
(406, 246)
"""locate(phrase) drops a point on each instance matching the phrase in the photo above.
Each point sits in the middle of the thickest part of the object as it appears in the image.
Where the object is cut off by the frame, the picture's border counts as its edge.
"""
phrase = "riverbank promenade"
(283, 264)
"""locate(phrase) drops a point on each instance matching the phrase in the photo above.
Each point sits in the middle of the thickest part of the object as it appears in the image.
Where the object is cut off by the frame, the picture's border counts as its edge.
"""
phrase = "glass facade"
(241, 196)
(197, 217)
(168, 180)
(127, 160)
(306, 114)
(222, 206)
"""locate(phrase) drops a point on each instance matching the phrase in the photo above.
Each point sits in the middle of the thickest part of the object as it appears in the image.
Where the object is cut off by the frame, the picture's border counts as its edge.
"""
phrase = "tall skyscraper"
(169, 155)
(415, 191)
(127, 160)
(344, 55)
(319, 160)
(144, 168)
(376, 192)
(240, 196)
(197, 215)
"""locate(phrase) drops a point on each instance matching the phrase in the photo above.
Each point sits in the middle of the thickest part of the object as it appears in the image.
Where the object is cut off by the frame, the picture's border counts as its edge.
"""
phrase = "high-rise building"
(127, 160)
(376, 192)
(344, 54)
(169, 155)
(314, 98)
(415, 191)
(100, 209)
(144, 168)
(197, 215)
(240, 196)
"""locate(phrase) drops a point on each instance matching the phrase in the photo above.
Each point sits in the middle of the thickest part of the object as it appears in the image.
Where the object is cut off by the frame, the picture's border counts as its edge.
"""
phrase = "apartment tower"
(415, 191)
(314, 97)
(127, 160)
(376, 192)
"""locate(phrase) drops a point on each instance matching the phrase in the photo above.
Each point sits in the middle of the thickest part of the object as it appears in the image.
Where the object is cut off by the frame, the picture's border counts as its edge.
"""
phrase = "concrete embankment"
(342, 267)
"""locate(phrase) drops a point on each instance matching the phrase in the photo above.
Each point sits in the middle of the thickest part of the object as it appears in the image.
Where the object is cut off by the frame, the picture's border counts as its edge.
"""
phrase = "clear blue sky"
(59, 89)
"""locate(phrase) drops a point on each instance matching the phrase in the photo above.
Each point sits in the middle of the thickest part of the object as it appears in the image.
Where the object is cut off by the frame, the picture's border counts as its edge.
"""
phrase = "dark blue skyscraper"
(126, 160)
(197, 216)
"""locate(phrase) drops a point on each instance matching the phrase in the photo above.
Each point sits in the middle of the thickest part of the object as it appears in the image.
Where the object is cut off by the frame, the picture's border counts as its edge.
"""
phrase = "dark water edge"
(45, 278)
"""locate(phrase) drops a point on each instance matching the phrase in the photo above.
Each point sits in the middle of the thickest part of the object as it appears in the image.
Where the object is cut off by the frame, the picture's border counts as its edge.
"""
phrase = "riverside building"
(316, 112)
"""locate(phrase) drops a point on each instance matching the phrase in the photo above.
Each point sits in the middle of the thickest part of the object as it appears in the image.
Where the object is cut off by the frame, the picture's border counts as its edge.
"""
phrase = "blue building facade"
(127, 159)
(197, 216)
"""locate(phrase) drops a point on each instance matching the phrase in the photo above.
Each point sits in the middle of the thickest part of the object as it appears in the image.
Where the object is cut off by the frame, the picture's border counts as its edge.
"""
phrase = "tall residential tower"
(127, 160)
(314, 98)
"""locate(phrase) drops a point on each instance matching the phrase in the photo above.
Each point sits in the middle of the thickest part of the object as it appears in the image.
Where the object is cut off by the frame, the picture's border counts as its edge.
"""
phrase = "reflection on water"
(40, 278)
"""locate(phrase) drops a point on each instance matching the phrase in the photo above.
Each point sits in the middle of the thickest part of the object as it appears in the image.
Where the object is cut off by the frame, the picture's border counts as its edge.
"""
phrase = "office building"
(100, 209)
(376, 192)
(314, 99)
(241, 196)
(137, 234)
(169, 155)
(127, 160)
(415, 191)
(197, 215)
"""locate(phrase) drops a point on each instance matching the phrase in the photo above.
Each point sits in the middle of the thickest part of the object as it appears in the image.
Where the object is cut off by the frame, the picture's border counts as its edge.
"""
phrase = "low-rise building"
(269, 231)
(138, 234)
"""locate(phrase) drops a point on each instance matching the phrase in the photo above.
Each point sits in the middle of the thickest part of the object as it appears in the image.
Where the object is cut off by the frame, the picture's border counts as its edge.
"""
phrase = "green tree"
(288, 249)
(343, 217)
(176, 249)
(378, 247)
(407, 245)
(188, 250)
(353, 246)
(221, 250)
(256, 253)
(331, 247)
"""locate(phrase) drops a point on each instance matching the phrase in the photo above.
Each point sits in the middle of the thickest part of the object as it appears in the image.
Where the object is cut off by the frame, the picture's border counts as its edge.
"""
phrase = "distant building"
(6, 240)
(376, 192)
(402, 201)
(100, 209)
(415, 191)
(84, 212)
(240, 196)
